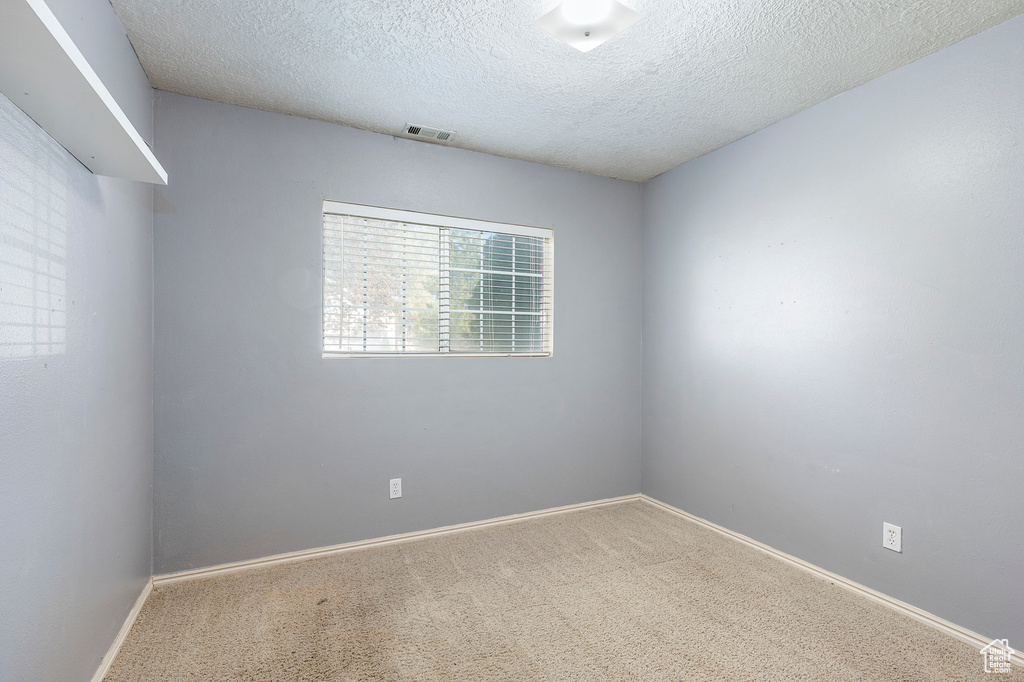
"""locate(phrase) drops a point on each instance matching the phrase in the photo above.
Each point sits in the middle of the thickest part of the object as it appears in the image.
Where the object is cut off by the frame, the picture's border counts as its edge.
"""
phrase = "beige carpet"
(625, 592)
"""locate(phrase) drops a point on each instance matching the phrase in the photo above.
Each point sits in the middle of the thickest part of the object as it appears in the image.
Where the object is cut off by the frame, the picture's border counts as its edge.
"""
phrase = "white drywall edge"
(45, 74)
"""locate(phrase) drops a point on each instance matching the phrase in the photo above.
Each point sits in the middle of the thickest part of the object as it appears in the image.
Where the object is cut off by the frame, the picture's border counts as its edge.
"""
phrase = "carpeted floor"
(624, 592)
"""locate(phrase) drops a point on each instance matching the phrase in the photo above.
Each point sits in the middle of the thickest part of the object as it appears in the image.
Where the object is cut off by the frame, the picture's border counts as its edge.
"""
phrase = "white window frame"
(416, 217)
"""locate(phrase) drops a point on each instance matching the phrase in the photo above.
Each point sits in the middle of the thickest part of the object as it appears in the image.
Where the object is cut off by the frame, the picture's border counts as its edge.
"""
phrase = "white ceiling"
(692, 76)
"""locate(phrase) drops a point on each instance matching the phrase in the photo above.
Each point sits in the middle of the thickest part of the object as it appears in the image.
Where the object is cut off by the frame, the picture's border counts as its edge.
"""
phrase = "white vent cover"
(428, 134)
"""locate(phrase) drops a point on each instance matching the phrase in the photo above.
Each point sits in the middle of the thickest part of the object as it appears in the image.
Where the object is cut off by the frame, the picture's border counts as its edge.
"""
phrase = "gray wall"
(834, 333)
(263, 447)
(76, 382)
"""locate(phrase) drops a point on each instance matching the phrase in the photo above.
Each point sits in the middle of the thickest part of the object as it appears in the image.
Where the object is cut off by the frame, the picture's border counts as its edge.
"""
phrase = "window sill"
(336, 356)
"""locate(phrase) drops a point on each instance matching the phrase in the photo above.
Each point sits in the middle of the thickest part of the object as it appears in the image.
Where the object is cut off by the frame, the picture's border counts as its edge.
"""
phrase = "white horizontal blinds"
(380, 285)
(397, 287)
(444, 293)
(500, 293)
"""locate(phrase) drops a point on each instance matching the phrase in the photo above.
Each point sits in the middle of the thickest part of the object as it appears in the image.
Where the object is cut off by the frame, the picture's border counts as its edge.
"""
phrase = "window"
(405, 283)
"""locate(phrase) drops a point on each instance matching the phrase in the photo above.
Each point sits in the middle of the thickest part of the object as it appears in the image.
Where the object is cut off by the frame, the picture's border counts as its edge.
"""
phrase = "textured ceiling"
(693, 76)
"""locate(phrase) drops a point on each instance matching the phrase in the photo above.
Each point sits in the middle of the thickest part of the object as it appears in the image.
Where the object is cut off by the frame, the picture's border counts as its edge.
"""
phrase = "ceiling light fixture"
(585, 24)
(586, 12)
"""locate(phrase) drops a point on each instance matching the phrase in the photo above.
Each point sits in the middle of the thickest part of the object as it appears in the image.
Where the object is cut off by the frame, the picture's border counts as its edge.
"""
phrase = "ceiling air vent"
(428, 134)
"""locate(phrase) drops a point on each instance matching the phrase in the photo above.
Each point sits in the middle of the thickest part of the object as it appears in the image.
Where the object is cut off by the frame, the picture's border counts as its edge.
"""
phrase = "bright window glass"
(405, 283)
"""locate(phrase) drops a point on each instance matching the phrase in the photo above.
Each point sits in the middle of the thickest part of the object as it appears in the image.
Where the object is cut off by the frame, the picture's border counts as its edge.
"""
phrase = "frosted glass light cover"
(586, 37)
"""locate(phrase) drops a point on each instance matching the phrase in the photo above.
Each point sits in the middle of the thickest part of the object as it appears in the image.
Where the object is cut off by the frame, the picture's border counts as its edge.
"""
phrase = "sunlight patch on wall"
(33, 240)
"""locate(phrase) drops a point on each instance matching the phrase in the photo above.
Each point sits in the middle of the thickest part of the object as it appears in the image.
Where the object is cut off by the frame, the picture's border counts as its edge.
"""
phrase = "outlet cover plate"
(396, 488)
(892, 537)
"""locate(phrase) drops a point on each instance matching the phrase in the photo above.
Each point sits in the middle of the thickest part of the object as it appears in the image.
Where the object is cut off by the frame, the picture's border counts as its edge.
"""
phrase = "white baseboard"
(963, 634)
(951, 629)
(302, 555)
(122, 635)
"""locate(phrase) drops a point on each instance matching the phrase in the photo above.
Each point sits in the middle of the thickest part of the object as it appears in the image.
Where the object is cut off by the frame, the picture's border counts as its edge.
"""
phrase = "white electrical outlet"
(396, 488)
(892, 537)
